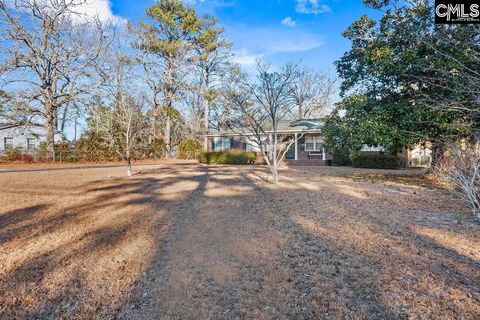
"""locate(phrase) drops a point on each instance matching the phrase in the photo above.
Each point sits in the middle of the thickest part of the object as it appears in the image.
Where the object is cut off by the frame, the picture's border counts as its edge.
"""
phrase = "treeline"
(142, 84)
(409, 81)
(142, 87)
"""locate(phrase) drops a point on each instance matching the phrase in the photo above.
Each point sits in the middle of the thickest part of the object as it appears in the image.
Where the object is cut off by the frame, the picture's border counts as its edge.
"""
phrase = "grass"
(189, 241)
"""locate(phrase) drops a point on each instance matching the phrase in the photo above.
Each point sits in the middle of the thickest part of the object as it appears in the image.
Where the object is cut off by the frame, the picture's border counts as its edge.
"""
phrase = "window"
(31, 143)
(250, 145)
(221, 144)
(313, 143)
(8, 143)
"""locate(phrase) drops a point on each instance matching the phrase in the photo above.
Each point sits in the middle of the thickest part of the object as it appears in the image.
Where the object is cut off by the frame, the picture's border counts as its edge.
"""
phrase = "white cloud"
(311, 7)
(254, 43)
(208, 5)
(99, 8)
(245, 58)
(289, 22)
(91, 8)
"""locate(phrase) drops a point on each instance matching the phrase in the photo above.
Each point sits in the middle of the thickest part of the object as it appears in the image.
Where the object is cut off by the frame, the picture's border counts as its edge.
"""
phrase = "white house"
(419, 156)
(28, 138)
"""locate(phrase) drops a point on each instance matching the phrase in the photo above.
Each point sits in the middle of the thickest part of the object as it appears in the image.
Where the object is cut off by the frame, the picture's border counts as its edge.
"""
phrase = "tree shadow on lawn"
(81, 259)
(200, 242)
(281, 268)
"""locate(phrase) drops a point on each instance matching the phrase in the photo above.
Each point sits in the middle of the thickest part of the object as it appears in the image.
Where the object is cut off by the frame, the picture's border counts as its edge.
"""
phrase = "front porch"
(307, 151)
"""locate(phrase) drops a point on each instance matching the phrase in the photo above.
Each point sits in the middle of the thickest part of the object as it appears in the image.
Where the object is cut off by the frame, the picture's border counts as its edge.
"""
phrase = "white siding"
(21, 134)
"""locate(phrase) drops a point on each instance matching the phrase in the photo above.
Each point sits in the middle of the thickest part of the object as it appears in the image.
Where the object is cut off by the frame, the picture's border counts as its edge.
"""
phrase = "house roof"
(4, 126)
(292, 126)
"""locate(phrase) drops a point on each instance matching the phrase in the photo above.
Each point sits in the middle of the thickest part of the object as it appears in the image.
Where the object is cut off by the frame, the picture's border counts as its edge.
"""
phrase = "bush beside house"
(377, 161)
(189, 149)
(340, 158)
(228, 157)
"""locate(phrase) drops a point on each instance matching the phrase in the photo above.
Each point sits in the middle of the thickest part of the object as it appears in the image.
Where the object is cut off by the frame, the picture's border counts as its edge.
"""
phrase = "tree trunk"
(206, 110)
(129, 166)
(407, 157)
(437, 153)
(274, 157)
(168, 136)
(50, 126)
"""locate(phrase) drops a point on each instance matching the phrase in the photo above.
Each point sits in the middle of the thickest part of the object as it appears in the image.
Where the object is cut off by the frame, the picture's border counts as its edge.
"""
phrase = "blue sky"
(279, 31)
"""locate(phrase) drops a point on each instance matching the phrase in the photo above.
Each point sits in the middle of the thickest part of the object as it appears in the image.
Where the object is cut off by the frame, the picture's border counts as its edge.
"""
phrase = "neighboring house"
(27, 138)
(306, 151)
(419, 156)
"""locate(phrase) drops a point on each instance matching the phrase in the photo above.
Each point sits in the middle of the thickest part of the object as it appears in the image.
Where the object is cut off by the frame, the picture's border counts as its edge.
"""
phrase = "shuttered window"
(8, 143)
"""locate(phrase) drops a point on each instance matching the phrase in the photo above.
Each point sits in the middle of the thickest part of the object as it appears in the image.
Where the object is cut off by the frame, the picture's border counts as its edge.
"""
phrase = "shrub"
(94, 147)
(155, 149)
(65, 152)
(252, 157)
(340, 158)
(377, 161)
(228, 157)
(17, 155)
(189, 149)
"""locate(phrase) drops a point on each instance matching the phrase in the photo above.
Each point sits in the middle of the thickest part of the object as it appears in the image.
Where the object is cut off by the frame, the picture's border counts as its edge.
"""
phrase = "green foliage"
(460, 218)
(340, 157)
(152, 150)
(377, 161)
(236, 157)
(93, 147)
(393, 78)
(189, 149)
(174, 25)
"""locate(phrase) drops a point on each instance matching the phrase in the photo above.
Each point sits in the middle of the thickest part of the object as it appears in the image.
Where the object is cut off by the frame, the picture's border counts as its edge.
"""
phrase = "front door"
(291, 152)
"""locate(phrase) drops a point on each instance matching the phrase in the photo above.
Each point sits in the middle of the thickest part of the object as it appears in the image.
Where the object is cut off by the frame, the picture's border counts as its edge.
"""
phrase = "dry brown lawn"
(185, 241)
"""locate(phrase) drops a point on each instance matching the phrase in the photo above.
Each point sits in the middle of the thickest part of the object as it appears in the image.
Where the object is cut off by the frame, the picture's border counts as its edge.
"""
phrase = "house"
(308, 148)
(419, 156)
(27, 138)
(306, 151)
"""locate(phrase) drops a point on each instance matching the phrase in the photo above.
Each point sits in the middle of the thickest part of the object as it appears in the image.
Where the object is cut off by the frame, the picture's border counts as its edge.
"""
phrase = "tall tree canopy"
(47, 56)
(403, 75)
(170, 37)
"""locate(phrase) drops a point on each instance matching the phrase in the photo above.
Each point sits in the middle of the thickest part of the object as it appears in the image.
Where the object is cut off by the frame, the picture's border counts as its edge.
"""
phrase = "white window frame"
(316, 141)
(222, 144)
(29, 146)
(10, 144)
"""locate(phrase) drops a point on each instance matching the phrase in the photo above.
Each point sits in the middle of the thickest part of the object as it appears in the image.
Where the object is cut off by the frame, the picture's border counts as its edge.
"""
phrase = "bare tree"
(122, 121)
(48, 55)
(313, 92)
(461, 168)
(262, 107)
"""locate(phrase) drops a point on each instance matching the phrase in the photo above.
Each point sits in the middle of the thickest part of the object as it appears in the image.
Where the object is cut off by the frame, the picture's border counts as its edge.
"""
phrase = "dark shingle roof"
(302, 125)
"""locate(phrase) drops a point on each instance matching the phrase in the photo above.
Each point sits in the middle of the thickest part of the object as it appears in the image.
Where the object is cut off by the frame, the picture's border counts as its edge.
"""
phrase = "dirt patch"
(185, 241)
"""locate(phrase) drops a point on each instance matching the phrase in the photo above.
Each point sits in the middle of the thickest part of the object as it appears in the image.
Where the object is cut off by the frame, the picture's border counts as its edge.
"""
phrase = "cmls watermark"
(457, 12)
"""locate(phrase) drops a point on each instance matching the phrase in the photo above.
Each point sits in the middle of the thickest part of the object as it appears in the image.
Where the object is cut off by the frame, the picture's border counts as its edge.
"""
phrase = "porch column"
(296, 146)
(324, 156)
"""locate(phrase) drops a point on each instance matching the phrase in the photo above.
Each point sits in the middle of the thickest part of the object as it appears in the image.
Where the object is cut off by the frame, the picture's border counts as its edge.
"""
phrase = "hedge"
(340, 158)
(189, 150)
(377, 161)
(228, 157)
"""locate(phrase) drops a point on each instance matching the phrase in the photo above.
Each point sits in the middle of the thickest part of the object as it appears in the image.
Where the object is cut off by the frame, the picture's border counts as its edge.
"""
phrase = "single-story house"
(308, 148)
(27, 138)
(306, 151)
